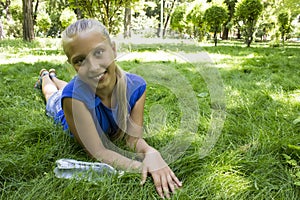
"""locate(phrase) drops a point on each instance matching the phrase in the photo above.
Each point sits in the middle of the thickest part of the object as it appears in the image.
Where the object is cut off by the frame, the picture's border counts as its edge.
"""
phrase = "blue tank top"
(106, 117)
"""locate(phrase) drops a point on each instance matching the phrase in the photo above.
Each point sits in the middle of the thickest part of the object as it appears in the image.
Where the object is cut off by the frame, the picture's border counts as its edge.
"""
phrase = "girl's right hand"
(165, 180)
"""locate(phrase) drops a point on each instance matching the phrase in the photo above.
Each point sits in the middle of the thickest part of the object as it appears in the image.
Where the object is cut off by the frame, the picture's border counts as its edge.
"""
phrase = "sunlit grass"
(262, 101)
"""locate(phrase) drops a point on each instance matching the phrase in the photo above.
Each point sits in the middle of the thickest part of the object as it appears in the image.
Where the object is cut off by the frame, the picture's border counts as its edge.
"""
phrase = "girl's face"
(92, 56)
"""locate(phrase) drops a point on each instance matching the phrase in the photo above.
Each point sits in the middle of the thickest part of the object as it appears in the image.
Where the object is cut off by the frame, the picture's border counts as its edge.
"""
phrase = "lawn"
(228, 122)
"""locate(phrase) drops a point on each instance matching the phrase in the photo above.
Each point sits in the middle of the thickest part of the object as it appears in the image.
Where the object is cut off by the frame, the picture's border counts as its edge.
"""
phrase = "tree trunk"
(105, 15)
(239, 35)
(283, 38)
(165, 26)
(168, 17)
(225, 33)
(28, 31)
(249, 41)
(127, 22)
(35, 11)
(78, 13)
(1, 31)
(158, 30)
(215, 38)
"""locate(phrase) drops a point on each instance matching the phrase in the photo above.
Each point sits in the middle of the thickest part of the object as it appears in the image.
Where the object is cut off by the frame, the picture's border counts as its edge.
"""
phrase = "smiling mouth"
(100, 77)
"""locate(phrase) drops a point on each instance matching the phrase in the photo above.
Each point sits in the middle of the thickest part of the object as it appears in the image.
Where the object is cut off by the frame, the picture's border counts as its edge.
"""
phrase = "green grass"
(257, 155)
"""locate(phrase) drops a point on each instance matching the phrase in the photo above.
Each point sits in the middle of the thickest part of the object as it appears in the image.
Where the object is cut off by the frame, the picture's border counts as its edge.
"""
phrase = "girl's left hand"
(164, 178)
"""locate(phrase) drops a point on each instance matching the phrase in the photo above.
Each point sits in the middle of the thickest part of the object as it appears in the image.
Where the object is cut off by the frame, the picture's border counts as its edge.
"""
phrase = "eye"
(78, 61)
(98, 52)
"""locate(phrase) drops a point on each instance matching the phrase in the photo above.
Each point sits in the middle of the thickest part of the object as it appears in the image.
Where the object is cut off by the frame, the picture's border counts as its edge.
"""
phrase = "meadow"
(255, 153)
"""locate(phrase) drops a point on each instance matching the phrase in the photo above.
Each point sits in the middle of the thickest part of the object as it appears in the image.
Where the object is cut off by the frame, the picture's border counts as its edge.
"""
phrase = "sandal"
(38, 83)
(52, 73)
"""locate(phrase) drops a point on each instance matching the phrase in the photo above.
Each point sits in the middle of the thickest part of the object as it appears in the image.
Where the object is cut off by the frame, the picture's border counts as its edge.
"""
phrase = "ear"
(113, 46)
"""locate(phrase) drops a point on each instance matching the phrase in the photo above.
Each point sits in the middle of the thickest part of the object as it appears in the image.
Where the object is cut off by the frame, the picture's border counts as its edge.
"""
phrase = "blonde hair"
(88, 25)
(82, 26)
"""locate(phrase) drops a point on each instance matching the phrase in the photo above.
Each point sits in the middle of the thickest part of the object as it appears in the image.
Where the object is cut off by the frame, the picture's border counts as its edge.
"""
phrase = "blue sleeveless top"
(105, 117)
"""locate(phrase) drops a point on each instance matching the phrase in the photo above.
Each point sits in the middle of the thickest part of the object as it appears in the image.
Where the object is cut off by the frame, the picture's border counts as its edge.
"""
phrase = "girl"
(103, 104)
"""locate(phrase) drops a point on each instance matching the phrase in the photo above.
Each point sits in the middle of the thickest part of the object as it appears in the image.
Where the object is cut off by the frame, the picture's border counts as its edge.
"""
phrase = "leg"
(48, 87)
(60, 84)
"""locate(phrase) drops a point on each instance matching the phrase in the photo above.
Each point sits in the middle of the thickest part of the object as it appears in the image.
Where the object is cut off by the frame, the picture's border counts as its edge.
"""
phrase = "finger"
(171, 183)
(165, 186)
(144, 175)
(160, 191)
(158, 185)
(175, 179)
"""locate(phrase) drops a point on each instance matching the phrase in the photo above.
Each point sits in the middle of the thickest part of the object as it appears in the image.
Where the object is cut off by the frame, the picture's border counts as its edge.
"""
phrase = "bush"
(43, 22)
(67, 17)
(12, 28)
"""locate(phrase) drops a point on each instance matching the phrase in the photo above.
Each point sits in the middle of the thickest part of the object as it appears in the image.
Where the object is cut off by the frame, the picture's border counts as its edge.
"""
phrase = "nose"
(93, 64)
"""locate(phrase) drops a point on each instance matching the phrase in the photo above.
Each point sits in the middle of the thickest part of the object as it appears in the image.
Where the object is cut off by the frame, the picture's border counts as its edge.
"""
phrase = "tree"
(55, 10)
(67, 17)
(284, 22)
(4, 8)
(167, 14)
(127, 20)
(169, 7)
(28, 30)
(11, 17)
(195, 22)
(109, 12)
(35, 11)
(266, 22)
(144, 19)
(1, 31)
(292, 5)
(231, 9)
(178, 18)
(215, 16)
(43, 22)
(247, 14)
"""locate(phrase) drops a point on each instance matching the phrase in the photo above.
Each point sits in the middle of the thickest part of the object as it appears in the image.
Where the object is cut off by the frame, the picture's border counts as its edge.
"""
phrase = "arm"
(163, 177)
(81, 124)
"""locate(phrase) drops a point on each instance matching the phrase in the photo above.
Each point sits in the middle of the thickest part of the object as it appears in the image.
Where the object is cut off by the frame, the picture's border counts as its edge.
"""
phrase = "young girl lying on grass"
(103, 100)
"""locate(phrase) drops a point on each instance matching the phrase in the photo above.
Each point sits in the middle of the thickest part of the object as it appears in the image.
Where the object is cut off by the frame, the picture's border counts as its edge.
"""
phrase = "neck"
(105, 94)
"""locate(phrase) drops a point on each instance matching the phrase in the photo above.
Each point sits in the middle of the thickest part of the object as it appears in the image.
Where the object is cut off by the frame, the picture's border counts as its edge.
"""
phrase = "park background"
(253, 44)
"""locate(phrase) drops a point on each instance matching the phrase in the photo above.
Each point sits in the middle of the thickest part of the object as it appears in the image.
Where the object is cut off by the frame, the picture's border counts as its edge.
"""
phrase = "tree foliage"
(178, 18)
(195, 22)
(247, 14)
(144, 19)
(109, 12)
(215, 16)
(43, 22)
(228, 24)
(284, 22)
(267, 22)
(55, 9)
(266, 19)
(292, 5)
(67, 17)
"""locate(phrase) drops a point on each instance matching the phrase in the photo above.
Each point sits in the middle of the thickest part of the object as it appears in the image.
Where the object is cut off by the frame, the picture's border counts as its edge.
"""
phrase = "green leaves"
(215, 16)
(67, 17)
(284, 22)
(178, 18)
(247, 14)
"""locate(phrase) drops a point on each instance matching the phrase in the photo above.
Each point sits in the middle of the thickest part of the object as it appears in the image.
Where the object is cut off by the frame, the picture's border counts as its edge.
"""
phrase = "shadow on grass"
(258, 128)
